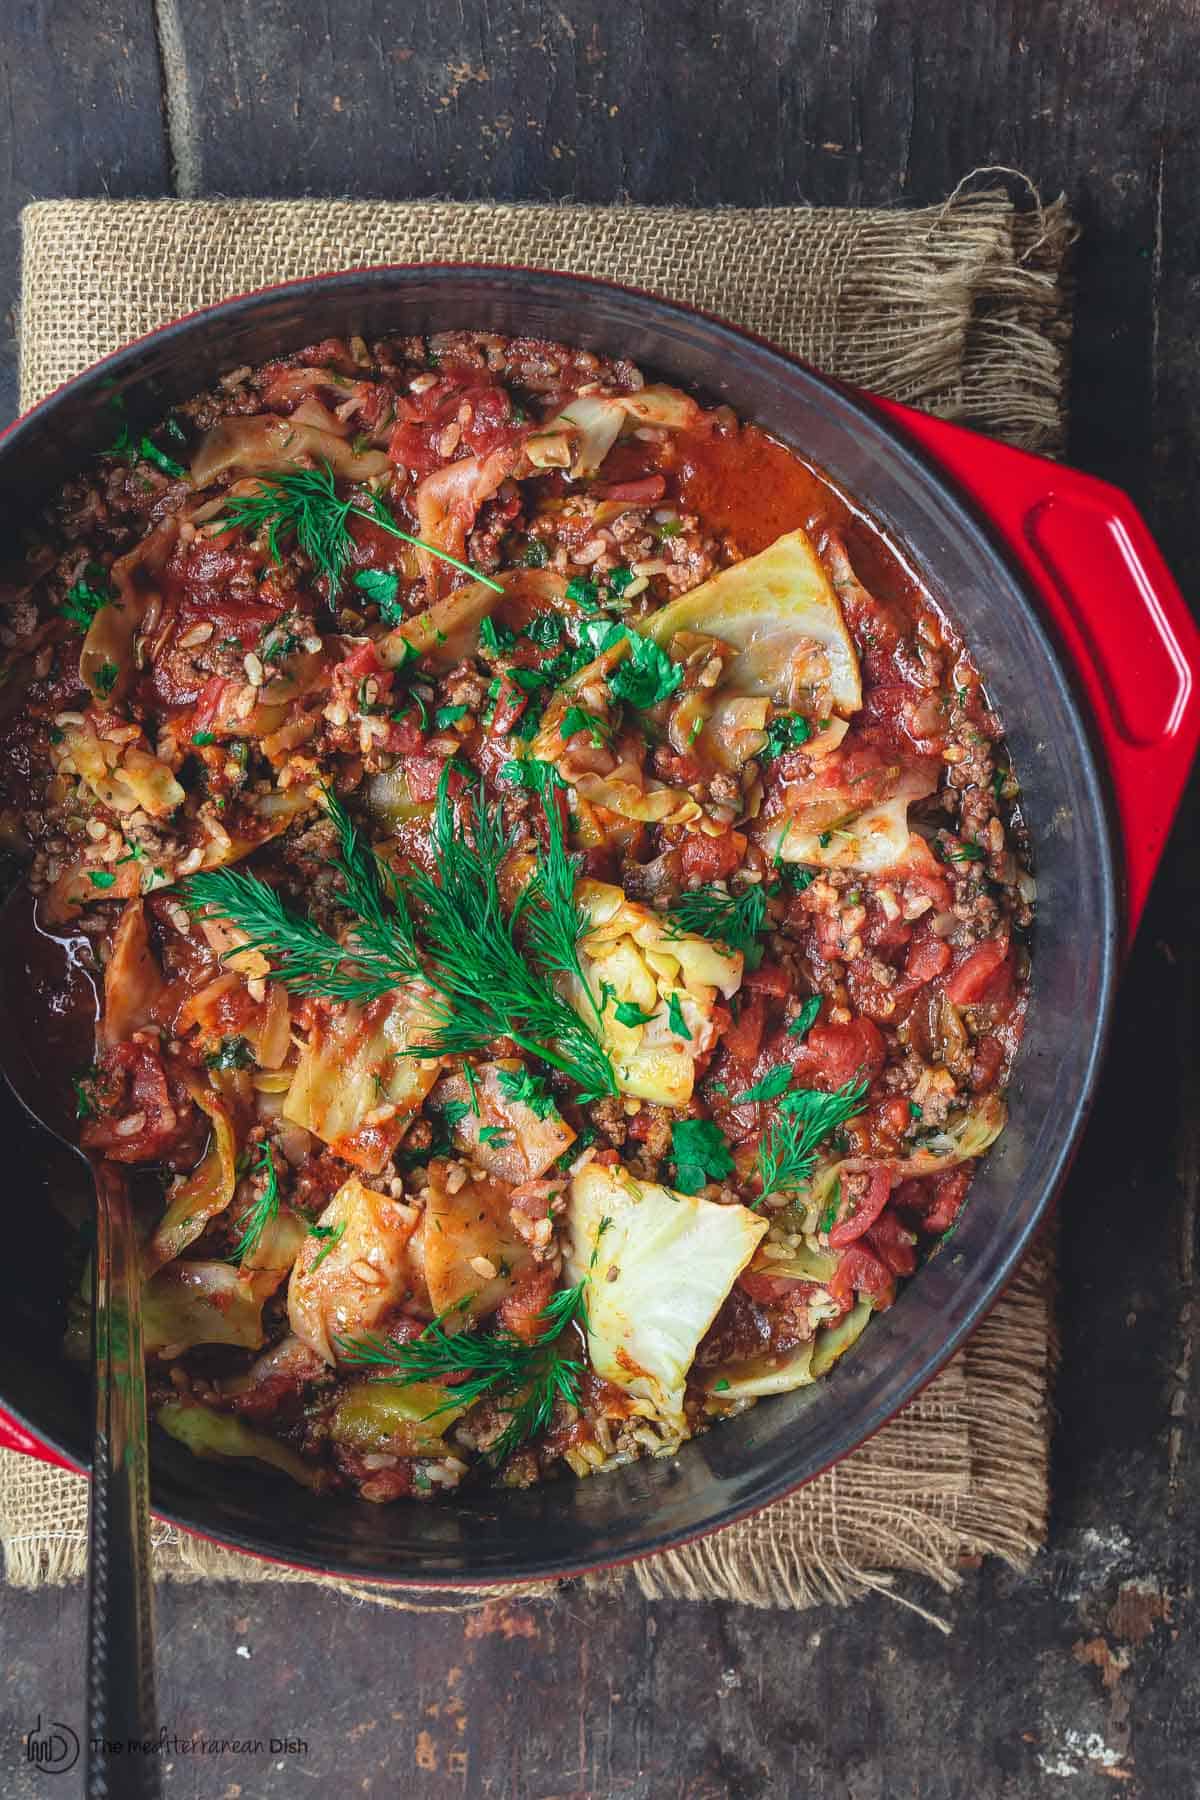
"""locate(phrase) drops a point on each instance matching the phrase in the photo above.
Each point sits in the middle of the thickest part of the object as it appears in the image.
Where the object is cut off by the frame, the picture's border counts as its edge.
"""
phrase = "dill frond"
(475, 1363)
(787, 1156)
(733, 920)
(303, 504)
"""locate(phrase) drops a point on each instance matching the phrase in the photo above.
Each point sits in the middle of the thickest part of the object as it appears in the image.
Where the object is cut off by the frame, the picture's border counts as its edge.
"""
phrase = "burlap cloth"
(959, 309)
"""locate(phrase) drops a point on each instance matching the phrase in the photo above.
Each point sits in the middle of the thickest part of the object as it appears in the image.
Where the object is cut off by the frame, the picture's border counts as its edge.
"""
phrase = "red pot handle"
(1123, 621)
(15, 1437)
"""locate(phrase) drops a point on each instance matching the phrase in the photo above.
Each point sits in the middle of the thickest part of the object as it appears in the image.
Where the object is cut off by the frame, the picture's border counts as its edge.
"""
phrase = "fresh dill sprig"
(463, 947)
(266, 1208)
(787, 1156)
(303, 956)
(553, 921)
(488, 986)
(475, 1364)
(304, 504)
(733, 920)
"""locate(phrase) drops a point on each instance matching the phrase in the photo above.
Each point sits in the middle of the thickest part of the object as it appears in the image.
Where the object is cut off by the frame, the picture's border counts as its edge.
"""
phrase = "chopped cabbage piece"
(206, 1192)
(467, 1232)
(834, 1340)
(872, 840)
(189, 1303)
(382, 1416)
(123, 776)
(763, 1375)
(260, 443)
(663, 1264)
(361, 1267)
(780, 614)
(133, 982)
(505, 1137)
(354, 1087)
(633, 951)
(219, 1435)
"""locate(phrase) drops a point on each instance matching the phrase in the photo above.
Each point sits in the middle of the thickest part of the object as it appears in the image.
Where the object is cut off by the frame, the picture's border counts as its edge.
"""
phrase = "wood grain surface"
(1082, 1678)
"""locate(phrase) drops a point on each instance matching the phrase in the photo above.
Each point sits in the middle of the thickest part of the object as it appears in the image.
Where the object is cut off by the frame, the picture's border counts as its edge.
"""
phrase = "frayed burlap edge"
(954, 308)
(960, 309)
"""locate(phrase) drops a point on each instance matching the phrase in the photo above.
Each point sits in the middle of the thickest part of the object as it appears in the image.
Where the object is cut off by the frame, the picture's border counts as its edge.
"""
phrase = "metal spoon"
(48, 1012)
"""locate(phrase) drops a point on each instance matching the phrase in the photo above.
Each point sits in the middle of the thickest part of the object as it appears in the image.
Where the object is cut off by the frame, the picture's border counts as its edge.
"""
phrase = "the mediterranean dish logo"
(53, 1747)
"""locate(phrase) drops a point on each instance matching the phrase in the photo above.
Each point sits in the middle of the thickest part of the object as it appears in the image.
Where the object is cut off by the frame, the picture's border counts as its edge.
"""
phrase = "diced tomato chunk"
(928, 957)
(770, 1290)
(982, 975)
(861, 1273)
(743, 1040)
(712, 857)
(771, 980)
(832, 1055)
(949, 1192)
(893, 1245)
(424, 774)
(645, 492)
(519, 1311)
(847, 1230)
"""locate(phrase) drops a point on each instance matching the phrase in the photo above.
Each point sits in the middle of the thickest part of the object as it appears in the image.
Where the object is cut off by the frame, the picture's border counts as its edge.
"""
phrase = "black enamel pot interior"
(563, 1526)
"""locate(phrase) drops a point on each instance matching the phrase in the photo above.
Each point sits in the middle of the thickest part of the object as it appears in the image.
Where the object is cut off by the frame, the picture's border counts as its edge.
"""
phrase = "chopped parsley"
(493, 1134)
(675, 1017)
(647, 675)
(536, 555)
(806, 1018)
(448, 715)
(106, 679)
(576, 719)
(582, 592)
(525, 1088)
(381, 587)
(545, 630)
(620, 579)
(629, 1013)
(202, 737)
(700, 1154)
(84, 601)
(496, 639)
(771, 1085)
(231, 1053)
(787, 732)
(101, 878)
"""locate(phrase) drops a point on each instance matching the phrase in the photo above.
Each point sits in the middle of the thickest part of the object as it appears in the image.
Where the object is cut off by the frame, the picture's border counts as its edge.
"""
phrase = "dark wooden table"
(1083, 1677)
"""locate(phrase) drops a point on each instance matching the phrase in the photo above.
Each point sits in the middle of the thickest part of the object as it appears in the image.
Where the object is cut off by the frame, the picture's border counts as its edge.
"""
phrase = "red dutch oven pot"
(1091, 658)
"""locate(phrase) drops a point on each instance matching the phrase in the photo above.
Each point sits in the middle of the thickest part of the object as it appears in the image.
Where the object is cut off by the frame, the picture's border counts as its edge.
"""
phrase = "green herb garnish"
(531, 1376)
(101, 878)
(675, 1018)
(106, 679)
(735, 921)
(628, 1012)
(787, 732)
(265, 1209)
(525, 1088)
(83, 601)
(771, 1085)
(788, 1155)
(647, 674)
(231, 1053)
(330, 1236)
(806, 1018)
(700, 1154)
(576, 719)
(304, 504)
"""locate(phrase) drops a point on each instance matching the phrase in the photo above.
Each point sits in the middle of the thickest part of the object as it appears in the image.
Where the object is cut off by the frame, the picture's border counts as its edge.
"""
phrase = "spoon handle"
(120, 1589)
